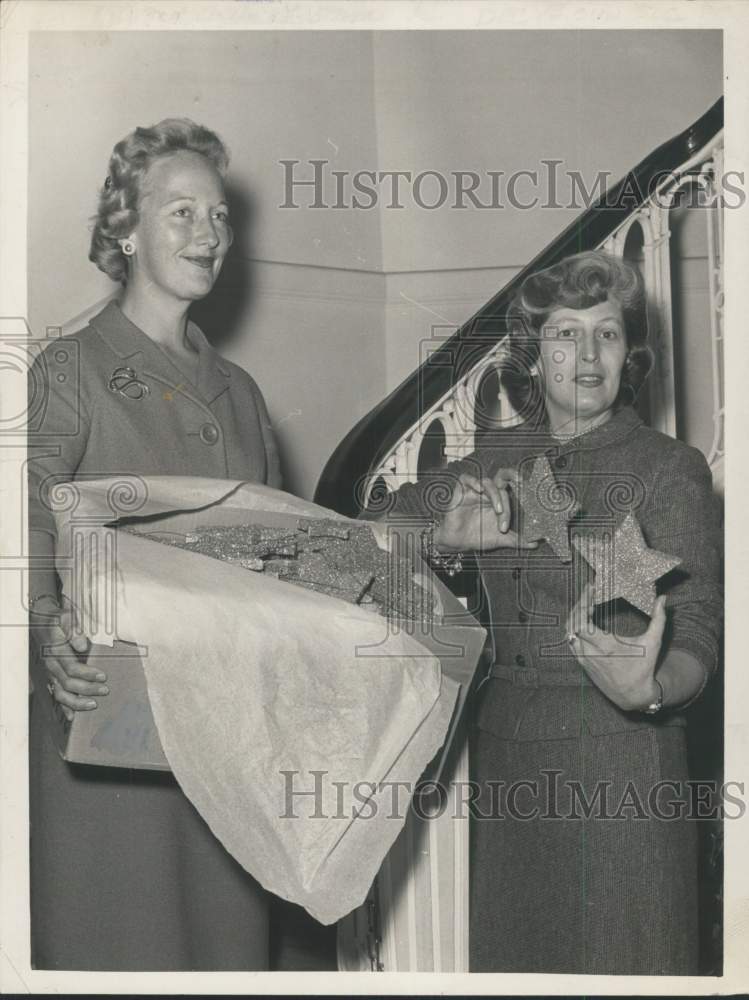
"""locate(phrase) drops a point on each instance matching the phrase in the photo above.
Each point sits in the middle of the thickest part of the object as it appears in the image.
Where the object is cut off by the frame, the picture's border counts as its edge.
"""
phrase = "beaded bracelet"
(447, 562)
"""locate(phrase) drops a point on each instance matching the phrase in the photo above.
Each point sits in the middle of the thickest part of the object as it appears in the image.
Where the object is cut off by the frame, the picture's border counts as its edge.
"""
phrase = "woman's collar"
(623, 421)
(127, 340)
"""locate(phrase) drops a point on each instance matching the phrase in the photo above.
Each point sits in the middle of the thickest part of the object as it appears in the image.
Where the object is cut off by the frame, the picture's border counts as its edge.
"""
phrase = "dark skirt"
(557, 894)
(126, 875)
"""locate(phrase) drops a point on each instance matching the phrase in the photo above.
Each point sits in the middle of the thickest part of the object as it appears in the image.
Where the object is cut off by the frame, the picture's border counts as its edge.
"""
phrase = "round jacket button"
(522, 616)
(561, 462)
(520, 660)
(516, 573)
(209, 434)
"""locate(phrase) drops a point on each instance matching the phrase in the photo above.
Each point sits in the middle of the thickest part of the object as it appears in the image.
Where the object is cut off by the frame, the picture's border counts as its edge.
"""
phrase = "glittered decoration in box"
(624, 565)
(546, 509)
(342, 561)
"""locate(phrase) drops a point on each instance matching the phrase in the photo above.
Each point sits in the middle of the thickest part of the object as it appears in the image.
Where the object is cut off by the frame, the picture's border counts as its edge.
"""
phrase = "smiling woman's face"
(581, 356)
(183, 232)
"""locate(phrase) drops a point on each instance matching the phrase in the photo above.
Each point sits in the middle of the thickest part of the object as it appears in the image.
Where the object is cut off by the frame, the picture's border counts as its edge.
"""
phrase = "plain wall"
(330, 308)
(596, 100)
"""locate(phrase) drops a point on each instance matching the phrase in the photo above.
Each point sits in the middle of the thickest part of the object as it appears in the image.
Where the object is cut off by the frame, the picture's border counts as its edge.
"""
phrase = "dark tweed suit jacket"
(621, 466)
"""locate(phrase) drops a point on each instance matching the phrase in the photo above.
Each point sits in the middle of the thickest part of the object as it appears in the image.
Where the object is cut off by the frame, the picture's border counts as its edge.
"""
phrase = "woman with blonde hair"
(125, 875)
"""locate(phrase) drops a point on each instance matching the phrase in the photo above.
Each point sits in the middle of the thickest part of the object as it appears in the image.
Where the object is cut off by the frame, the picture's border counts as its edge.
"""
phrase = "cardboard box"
(121, 732)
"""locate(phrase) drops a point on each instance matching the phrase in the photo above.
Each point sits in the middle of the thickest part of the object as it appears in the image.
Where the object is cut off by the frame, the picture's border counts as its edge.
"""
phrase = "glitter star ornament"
(547, 509)
(624, 565)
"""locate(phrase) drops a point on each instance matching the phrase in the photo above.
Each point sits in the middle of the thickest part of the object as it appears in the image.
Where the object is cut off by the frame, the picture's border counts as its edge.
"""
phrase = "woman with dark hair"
(583, 848)
(579, 282)
(125, 875)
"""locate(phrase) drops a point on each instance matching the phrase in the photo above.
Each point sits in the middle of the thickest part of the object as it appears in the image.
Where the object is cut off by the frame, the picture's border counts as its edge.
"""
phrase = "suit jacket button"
(516, 573)
(520, 660)
(522, 616)
(209, 434)
(561, 462)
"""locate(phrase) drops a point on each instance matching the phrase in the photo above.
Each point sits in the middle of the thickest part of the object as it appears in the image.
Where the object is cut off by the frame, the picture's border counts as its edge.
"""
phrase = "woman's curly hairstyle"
(117, 213)
(580, 281)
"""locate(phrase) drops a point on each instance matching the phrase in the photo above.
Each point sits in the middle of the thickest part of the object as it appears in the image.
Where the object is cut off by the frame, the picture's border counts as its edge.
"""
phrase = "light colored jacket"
(107, 401)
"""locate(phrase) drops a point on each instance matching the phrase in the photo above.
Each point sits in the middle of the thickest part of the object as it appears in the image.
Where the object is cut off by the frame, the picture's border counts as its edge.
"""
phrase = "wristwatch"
(655, 706)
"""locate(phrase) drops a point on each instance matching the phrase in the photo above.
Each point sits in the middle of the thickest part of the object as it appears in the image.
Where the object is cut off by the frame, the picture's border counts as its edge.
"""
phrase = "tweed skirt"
(565, 882)
(126, 875)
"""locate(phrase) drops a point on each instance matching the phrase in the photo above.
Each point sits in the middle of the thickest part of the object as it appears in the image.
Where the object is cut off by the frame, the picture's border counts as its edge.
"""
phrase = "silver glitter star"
(624, 565)
(547, 509)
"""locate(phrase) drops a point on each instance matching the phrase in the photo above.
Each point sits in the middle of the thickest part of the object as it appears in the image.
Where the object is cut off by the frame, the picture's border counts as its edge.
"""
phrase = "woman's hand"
(62, 648)
(480, 515)
(624, 669)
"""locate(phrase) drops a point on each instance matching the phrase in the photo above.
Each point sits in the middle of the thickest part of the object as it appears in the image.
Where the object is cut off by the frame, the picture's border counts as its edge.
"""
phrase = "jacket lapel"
(214, 374)
(144, 356)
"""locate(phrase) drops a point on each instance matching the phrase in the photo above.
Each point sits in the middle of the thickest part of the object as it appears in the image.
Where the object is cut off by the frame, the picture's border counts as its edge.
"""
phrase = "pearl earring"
(128, 248)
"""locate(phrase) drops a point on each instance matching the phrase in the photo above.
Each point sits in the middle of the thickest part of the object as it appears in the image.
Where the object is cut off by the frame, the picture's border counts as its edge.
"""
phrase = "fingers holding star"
(621, 667)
